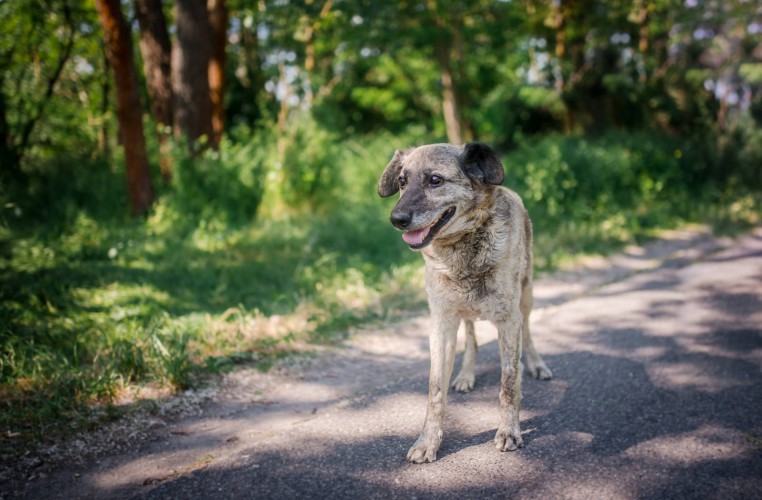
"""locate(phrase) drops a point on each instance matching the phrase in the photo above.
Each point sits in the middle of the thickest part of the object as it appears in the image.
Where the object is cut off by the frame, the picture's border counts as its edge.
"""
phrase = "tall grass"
(236, 265)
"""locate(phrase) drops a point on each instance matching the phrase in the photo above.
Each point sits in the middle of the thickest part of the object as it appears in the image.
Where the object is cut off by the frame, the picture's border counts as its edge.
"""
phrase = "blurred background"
(188, 186)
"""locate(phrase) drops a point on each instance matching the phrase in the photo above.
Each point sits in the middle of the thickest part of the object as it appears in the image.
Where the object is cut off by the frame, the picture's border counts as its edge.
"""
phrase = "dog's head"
(439, 186)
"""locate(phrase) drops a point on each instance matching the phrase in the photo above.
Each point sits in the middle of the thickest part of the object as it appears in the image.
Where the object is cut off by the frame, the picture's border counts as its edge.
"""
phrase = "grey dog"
(476, 241)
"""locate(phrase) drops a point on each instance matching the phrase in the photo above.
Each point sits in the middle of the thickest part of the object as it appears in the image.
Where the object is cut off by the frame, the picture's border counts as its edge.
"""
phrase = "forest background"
(187, 186)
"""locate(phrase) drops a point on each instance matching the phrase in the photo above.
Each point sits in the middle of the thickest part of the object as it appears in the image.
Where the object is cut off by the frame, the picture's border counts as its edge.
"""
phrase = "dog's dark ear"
(389, 183)
(481, 163)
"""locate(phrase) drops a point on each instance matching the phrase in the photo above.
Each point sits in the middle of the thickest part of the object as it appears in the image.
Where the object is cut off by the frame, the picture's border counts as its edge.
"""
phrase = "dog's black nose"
(401, 220)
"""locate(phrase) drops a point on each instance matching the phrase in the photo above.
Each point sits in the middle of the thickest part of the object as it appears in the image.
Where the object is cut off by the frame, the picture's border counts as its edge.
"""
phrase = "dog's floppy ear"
(481, 163)
(389, 183)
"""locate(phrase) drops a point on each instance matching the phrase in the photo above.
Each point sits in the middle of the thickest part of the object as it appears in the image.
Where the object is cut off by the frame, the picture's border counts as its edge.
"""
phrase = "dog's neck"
(468, 250)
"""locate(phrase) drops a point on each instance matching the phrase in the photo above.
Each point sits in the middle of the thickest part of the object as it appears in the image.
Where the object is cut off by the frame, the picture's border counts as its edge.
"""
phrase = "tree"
(448, 51)
(157, 63)
(190, 72)
(218, 23)
(118, 42)
(391, 64)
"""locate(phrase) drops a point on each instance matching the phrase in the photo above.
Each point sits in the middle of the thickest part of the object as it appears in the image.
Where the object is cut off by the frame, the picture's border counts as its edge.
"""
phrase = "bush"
(308, 168)
(561, 176)
(587, 194)
(220, 187)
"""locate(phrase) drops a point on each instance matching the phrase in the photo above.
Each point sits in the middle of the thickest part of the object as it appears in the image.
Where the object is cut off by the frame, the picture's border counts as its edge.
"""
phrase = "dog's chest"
(474, 288)
(477, 276)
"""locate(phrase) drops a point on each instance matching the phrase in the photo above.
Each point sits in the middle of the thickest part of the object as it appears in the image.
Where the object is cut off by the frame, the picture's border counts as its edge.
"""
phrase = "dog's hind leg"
(534, 363)
(464, 382)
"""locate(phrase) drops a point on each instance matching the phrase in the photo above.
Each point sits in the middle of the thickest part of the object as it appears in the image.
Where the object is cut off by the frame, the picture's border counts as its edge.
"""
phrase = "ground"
(657, 357)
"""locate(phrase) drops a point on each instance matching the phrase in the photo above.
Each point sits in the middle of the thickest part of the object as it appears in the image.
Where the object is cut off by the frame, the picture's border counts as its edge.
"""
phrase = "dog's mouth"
(421, 237)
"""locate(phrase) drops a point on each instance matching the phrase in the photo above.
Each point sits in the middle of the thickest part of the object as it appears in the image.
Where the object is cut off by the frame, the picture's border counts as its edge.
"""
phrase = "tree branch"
(29, 126)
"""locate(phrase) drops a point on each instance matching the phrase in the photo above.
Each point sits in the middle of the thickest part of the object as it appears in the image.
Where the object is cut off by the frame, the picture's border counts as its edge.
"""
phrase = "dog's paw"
(539, 371)
(542, 372)
(422, 451)
(508, 439)
(464, 382)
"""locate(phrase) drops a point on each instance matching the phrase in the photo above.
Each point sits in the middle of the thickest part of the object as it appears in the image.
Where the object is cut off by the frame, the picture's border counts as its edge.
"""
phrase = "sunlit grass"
(99, 308)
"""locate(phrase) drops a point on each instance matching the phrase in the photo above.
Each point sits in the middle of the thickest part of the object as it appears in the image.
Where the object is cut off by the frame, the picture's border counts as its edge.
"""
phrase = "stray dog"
(476, 241)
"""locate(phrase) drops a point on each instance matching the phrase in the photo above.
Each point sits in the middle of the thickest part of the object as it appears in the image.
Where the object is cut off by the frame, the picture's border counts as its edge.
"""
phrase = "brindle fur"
(478, 265)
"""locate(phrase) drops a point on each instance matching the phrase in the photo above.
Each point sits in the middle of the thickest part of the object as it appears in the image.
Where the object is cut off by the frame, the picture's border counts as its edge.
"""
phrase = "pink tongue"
(415, 237)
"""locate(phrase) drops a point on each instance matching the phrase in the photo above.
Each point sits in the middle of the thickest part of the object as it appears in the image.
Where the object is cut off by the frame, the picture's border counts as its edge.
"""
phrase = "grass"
(83, 319)
(93, 302)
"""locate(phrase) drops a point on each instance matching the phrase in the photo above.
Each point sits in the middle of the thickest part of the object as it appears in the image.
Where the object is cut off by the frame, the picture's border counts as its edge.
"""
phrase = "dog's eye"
(435, 180)
(402, 181)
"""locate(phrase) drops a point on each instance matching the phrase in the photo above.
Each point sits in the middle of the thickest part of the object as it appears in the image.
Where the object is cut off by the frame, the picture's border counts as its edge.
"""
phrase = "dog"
(476, 241)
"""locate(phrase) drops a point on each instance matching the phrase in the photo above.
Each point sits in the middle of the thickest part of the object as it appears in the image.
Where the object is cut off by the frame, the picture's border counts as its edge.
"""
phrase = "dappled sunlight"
(120, 300)
(213, 442)
(707, 443)
(694, 376)
(239, 327)
(169, 466)
(570, 484)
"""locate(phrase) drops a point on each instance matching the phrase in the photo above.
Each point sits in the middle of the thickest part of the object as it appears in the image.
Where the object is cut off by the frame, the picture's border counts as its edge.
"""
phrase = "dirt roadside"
(212, 429)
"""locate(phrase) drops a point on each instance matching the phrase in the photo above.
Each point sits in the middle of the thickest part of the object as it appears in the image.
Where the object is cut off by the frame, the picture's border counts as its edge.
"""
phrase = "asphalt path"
(657, 393)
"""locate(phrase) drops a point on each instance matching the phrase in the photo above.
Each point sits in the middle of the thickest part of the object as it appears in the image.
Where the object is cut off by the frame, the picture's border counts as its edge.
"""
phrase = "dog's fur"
(478, 265)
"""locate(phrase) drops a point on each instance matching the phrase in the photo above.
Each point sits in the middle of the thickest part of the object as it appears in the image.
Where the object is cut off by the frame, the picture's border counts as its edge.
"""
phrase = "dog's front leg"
(442, 347)
(508, 437)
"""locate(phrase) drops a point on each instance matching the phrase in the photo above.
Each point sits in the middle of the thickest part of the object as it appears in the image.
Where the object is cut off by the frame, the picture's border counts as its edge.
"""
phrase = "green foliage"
(588, 194)
(752, 72)
(307, 170)
(511, 108)
(51, 68)
(223, 186)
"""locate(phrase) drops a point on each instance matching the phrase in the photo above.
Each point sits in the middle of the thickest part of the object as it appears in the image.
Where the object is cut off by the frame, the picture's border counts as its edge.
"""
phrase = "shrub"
(223, 186)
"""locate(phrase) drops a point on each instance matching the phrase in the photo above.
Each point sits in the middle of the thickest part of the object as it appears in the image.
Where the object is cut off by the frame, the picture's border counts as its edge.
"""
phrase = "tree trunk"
(103, 145)
(157, 62)
(128, 110)
(7, 152)
(218, 22)
(449, 97)
(309, 49)
(157, 58)
(462, 96)
(444, 54)
(190, 72)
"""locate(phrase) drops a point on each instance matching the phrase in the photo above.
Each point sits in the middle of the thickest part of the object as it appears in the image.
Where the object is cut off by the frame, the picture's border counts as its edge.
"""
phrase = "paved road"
(657, 394)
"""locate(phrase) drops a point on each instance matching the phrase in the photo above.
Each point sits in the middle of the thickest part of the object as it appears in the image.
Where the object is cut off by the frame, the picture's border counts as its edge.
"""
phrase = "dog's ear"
(481, 163)
(389, 183)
